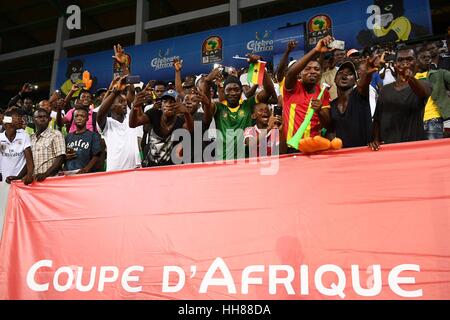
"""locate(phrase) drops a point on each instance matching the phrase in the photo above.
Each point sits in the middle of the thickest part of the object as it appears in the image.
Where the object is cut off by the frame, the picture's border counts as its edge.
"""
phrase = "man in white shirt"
(121, 140)
(16, 160)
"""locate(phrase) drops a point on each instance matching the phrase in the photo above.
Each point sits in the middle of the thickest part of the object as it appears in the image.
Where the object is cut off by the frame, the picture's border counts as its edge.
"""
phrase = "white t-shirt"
(122, 145)
(12, 156)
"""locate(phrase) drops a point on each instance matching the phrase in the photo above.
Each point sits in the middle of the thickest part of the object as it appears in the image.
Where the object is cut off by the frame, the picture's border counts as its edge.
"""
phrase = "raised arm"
(117, 85)
(178, 65)
(60, 120)
(249, 91)
(284, 60)
(294, 71)
(137, 116)
(366, 77)
(205, 87)
(121, 58)
(26, 88)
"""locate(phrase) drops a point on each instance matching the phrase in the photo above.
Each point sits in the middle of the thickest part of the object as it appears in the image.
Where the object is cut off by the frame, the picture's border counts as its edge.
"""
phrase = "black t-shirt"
(160, 147)
(400, 114)
(86, 145)
(354, 125)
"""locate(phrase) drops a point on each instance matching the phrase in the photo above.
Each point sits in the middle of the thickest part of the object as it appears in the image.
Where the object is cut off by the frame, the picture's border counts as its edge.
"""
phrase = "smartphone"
(81, 85)
(133, 79)
(7, 119)
(277, 110)
(337, 44)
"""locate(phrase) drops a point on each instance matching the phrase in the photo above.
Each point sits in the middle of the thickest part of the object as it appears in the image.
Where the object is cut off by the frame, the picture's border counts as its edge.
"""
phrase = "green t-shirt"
(230, 125)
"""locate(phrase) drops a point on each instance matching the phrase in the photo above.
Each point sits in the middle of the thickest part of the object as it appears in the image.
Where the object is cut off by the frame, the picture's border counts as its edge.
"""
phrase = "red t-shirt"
(295, 107)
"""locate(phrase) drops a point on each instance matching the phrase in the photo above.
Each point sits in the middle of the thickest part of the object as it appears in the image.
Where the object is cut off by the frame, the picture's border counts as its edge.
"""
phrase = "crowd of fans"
(385, 94)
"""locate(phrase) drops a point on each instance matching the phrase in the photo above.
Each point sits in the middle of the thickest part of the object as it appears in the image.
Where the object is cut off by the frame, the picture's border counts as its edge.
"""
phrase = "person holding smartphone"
(268, 127)
(15, 150)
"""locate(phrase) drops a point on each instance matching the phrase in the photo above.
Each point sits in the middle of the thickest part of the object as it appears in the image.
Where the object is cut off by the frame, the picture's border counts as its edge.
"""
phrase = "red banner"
(349, 224)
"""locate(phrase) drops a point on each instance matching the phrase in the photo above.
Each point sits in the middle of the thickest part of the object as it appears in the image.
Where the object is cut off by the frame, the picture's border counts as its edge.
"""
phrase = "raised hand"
(120, 83)
(371, 65)
(202, 98)
(291, 45)
(142, 97)
(253, 58)
(214, 74)
(119, 55)
(181, 108)
(322, 45)
(26, 88)
(177, 64)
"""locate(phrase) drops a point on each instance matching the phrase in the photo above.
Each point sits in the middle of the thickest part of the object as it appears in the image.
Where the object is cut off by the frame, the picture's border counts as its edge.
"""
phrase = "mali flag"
(256, 72)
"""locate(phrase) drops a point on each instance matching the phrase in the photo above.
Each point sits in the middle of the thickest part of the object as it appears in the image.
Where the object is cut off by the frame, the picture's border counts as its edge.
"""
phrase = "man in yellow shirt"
(432, 121)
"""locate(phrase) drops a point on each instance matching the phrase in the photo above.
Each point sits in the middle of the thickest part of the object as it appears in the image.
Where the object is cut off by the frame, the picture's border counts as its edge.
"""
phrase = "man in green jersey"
(233, 114)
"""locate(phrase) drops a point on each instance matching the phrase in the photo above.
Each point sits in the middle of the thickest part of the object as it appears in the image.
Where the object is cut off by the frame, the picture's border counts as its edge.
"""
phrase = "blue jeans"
(434, 128)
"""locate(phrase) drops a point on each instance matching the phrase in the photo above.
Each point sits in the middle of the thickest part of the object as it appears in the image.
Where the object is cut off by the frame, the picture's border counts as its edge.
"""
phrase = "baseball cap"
(100, 91)
(352, 52)
(350, 65)
(170, 93)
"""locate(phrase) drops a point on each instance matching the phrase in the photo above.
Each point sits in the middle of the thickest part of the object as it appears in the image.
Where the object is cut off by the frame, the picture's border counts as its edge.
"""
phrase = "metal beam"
(243, 4)
(188, 16)
(142, 14)
(25, 34)
(235, 14)
(27, 52)
(99, 36)
(153, 24)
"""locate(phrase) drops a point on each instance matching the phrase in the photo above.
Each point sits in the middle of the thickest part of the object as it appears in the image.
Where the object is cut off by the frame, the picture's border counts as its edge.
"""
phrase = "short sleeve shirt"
(46, 148)
(12, 156)
(231, 123)
(86, 145)
(295, 107)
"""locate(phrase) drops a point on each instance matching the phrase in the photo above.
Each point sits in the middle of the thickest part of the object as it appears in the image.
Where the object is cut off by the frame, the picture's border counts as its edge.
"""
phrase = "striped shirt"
(46, 148)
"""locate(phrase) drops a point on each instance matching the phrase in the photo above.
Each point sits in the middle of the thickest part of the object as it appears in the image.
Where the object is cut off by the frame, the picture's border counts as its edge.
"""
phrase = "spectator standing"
(400, 107)
(48, 147)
